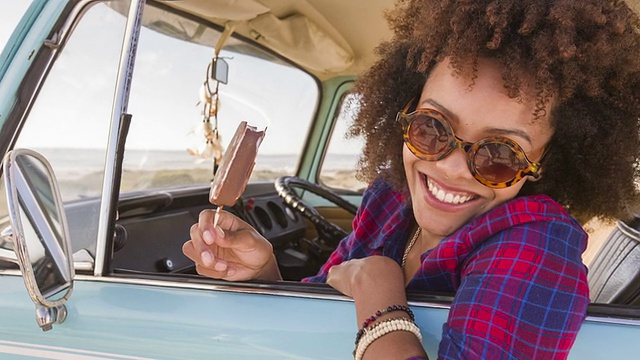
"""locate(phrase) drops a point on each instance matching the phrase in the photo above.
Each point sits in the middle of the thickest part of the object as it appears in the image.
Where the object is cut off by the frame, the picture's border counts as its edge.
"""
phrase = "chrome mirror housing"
(39, 232)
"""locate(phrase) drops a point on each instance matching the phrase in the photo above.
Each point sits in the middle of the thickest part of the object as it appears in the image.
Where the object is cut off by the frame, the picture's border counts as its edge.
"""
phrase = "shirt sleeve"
(341, 253)
(367, 221)
(523, 295)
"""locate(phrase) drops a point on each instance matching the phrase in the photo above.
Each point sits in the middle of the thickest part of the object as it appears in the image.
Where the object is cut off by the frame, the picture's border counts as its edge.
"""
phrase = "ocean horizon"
(90, 160)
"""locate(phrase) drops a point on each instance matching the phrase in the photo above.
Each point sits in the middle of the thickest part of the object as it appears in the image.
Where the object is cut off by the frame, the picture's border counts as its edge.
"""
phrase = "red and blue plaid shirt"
(520, 286)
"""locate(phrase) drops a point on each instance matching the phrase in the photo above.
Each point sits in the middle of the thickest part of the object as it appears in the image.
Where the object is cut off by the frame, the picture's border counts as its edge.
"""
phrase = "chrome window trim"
(612, 320)
(117, 134)
(285, 293)
(248, 289)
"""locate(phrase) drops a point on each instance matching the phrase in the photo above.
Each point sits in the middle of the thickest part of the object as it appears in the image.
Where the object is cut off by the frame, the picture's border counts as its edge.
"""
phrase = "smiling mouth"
(447, 197)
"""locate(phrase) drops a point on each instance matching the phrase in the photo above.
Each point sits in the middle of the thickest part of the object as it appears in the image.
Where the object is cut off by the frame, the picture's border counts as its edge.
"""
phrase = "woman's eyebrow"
(517, 132)
(439, 107)
(498, 131)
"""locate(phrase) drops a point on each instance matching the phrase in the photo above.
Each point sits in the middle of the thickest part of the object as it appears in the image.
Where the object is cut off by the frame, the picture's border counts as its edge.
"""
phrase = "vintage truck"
(114, 115)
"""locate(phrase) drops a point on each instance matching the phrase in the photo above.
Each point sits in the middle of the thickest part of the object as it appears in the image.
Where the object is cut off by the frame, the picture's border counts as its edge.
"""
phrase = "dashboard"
(151, 229)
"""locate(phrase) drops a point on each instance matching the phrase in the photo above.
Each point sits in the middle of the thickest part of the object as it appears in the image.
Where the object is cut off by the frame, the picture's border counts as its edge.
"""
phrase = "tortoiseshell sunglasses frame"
(405, 119)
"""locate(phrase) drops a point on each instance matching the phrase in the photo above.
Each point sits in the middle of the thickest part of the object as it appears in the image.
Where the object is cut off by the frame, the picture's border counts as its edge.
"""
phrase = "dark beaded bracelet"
(387, 310)
(381, 312)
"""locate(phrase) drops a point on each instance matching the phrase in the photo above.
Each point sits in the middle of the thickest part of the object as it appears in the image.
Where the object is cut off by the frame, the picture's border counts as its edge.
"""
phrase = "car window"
(10, 14)
(338, 168)
(70, 117)
(167, 144)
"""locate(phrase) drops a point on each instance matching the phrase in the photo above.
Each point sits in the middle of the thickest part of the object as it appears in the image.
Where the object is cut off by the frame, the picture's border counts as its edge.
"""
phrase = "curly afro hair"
(586, 54)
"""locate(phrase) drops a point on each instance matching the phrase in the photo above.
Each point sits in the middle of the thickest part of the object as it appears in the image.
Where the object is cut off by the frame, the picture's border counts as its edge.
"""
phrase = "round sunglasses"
(497, 161)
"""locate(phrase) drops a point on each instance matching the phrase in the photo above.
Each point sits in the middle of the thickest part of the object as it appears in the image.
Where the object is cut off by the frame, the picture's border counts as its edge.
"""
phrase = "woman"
(486, 123)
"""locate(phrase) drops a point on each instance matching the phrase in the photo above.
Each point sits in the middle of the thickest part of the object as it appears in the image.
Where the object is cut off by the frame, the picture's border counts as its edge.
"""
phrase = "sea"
(90, 160)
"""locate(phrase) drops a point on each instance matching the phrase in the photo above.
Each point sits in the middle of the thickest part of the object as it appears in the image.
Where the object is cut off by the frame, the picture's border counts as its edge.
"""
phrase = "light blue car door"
(163, 317)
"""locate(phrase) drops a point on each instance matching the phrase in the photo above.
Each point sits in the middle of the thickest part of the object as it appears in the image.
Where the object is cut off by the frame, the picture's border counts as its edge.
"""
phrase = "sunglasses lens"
(428, 134)
(497, 162)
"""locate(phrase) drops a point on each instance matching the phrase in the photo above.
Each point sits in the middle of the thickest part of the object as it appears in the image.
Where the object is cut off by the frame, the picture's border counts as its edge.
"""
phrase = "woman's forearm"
(383, 298)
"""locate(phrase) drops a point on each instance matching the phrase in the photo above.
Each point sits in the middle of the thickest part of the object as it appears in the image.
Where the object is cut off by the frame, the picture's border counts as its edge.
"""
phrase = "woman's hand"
(364, 275)
(233, 250)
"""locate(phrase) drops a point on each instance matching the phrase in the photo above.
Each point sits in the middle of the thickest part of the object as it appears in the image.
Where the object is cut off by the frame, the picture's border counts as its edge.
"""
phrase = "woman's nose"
(454, 166)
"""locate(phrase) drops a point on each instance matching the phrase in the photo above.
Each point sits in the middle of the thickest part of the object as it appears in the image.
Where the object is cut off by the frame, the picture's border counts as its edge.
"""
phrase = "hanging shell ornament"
(212, 147)
(216, 147)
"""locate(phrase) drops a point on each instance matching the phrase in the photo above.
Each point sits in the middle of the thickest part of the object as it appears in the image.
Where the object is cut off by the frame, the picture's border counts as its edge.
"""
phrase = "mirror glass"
(39, 224)
(220, 70)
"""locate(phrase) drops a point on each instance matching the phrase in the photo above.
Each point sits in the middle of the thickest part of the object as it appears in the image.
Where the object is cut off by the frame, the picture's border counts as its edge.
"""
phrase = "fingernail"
(207, 258)
(220, 231)
(220, 266)
(231, 272)
(207, 236)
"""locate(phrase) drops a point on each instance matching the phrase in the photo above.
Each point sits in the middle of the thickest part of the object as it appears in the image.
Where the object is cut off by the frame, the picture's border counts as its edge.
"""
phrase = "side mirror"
(40, 233)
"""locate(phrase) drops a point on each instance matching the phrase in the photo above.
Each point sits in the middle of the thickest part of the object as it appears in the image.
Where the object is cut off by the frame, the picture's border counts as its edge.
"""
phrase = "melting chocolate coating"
(236, 165)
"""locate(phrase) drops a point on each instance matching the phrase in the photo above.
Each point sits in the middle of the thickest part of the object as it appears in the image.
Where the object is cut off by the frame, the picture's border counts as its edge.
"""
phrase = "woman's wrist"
(270, 270)
(380, 278)
(381, 329)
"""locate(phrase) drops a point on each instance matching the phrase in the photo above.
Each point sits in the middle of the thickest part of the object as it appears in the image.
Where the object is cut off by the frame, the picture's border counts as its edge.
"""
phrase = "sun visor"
(299, 39)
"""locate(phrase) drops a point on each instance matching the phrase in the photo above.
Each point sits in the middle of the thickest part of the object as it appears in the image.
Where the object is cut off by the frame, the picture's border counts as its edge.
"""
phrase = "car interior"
(148, 227)
(154, 221)
(300, 211)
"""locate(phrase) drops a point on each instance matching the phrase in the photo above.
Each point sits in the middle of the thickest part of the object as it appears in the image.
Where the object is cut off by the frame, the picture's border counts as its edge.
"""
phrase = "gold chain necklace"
(410, 246)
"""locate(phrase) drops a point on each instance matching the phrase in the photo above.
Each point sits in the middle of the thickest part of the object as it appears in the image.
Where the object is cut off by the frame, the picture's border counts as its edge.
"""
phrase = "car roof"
(337, 36)
(326, 37)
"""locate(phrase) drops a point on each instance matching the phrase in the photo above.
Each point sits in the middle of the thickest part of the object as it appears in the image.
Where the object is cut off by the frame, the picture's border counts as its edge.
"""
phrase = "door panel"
(177, 323)
(173, 323)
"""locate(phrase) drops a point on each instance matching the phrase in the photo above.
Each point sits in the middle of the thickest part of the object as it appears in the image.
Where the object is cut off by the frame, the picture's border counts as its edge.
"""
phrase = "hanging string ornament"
(217, 72)
(210, 102)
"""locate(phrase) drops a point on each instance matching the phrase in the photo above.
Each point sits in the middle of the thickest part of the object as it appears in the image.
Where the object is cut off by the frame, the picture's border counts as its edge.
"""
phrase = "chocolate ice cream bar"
(236, 166)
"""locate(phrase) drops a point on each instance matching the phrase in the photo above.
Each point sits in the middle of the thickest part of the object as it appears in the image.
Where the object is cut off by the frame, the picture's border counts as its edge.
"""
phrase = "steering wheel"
(327, 230)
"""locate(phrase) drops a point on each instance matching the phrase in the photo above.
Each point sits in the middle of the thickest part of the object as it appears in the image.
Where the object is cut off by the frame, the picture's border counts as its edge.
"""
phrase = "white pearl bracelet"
(383, 328)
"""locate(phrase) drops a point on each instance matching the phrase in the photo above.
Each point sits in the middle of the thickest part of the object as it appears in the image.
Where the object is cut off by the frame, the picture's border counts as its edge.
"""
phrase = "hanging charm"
(209, 99)
(217, 72)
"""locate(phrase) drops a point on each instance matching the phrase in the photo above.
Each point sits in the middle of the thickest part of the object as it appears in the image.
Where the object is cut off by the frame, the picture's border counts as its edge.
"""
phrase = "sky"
(155, 123)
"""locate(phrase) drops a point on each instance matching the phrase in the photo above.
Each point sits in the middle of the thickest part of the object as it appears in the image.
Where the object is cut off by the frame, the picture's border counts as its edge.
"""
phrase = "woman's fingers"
(206, 241)
(232, 250)
(217, 267)
(202, 249)
(204, 235)
(190, 251)
(226, 221)
(212, 273)
(205, 226)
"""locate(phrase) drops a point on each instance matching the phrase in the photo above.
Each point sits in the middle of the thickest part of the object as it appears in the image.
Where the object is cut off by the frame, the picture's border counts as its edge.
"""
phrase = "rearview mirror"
(39, 232)
(219, 70)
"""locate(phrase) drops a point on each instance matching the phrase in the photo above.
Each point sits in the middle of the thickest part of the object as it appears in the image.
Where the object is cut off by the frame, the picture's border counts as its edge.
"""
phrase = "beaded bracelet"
(383, 328)
(387, 310)
(381, 312)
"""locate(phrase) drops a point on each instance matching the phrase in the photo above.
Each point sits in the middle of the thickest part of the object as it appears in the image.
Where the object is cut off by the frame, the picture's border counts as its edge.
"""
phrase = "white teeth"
(448, 198)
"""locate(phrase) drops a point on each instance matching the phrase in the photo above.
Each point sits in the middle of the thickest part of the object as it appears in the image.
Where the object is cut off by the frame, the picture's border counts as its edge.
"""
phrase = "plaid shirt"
(521, 289)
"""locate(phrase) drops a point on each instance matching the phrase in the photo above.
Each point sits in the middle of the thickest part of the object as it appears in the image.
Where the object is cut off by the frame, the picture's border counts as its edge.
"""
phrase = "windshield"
(167, 144)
